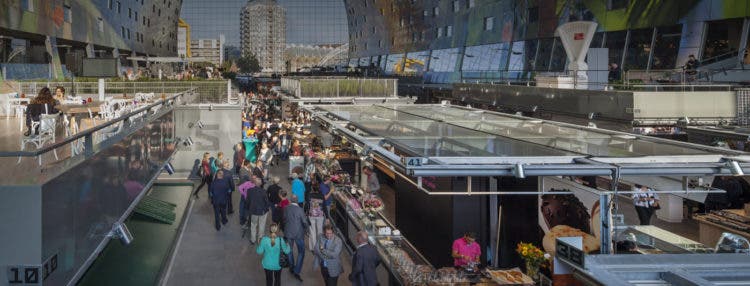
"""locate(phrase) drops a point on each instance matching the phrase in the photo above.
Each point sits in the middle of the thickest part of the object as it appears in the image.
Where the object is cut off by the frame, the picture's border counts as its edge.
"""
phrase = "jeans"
(273, 277)
(257, 227)
(297, 268)
(220, 210)
(330, 281)
(205, 180)
(316, 229)
(243, 211)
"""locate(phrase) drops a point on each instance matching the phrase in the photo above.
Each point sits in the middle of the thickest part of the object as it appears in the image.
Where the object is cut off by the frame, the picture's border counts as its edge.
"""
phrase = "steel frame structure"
(713, 161)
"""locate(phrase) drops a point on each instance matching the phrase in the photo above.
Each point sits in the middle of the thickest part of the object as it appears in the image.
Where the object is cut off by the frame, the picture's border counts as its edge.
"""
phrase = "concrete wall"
(699, 104)
(222, 129)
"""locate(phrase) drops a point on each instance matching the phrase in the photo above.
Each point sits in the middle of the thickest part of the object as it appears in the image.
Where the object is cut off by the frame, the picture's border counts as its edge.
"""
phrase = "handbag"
(656, 206)
(283, 257)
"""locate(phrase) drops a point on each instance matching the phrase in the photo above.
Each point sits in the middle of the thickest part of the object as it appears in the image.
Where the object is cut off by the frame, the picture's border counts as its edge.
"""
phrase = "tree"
(248, 63)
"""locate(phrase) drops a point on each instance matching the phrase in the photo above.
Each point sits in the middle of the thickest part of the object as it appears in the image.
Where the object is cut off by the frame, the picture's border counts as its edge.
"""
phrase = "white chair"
(47, 124)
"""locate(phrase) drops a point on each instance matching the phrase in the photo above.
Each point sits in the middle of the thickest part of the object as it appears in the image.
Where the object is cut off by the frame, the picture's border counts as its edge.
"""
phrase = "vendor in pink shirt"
(466, 250)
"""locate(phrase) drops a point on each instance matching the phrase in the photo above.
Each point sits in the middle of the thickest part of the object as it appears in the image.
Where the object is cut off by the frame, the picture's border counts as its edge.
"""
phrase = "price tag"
(414, 161)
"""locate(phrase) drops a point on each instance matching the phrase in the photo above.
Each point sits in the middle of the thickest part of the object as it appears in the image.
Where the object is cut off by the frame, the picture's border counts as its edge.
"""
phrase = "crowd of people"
(298, 215)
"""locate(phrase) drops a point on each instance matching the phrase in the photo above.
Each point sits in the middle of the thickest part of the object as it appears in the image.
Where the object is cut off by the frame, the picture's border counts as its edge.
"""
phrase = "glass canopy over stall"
(451, 138)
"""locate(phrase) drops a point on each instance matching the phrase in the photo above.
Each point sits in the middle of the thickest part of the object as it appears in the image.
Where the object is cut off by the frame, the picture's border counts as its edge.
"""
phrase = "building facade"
(456, 40)
(210, 18)
(183, 39)
(263, 33)
(208, 50)
(70, 30)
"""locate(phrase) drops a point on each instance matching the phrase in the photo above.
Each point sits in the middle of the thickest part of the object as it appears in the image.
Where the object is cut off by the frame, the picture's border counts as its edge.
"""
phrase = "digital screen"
(99, 68)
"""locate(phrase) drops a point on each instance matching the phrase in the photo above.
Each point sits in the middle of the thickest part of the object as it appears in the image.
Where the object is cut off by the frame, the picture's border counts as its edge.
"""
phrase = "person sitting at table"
(59, 95)
(466, 250)
(41, 104)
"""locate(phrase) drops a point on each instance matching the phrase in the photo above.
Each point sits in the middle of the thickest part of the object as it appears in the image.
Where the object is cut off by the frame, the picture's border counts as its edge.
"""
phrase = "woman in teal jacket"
(270, 248)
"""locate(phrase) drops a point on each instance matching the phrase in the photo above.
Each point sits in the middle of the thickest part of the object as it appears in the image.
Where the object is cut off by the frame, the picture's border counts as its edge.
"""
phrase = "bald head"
(362, 237)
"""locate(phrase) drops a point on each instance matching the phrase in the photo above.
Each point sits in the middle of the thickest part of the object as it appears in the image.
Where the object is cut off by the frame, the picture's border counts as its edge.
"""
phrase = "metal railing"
(138, 116)
(340, 87)
(206, 91)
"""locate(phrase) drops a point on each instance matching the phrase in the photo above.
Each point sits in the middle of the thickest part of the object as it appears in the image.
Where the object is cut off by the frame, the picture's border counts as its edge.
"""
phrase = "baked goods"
(565, 210)
(512, 276)
(590, 243)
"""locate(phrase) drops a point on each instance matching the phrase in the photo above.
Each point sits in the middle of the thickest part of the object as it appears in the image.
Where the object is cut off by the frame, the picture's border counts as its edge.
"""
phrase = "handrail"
(89, 132)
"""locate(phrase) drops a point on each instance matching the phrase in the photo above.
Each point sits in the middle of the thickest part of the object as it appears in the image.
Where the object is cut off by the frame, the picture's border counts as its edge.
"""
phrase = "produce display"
(373, 204)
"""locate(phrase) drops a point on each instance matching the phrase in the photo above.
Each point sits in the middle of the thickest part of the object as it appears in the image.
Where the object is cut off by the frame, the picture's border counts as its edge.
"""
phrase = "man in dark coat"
(295, 227)
(219, 196)
(230, 180)
(258, 203)
(364, 263)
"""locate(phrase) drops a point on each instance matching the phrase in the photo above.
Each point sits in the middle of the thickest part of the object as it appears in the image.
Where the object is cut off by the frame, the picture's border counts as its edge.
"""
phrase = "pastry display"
(510, 277)
(590, 242)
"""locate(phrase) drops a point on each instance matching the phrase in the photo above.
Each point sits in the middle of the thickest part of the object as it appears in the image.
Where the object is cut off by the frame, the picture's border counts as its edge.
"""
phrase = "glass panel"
(559, 57)
(531, 49)
(615, 42)
(394, 64)
(482, 58)
(722, 37)
(516, 63)
(543, 56)
(444, 60)
(597, 41)
(416, 63)
(383, 62)
(639, 48)
(666, 46)
(363, 62)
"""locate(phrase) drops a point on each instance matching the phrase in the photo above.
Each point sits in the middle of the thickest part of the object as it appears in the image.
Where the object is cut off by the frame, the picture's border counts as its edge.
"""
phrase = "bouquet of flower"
(533, 256)
(373, 204)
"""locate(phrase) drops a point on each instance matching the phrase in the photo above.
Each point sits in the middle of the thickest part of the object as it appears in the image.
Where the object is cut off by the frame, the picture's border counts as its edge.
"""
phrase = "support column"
(90, 51)
(116, 55)
(671, 208)
(55, 66)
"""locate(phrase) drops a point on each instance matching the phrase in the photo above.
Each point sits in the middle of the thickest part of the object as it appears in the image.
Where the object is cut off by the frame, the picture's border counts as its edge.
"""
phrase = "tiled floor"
(205, 256)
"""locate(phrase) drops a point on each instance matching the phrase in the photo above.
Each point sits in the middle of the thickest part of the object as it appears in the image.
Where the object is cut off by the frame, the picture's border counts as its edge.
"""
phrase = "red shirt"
(471, 250)
(284, 203)
(206, 168)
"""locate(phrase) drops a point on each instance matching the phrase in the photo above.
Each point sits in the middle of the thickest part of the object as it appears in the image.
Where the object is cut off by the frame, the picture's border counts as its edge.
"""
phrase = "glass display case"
(654, 240)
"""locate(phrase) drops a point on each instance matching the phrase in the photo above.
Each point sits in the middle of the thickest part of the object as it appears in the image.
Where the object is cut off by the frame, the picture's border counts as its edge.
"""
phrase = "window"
(426, 13)
(130, 13)
(135, 14)
(28, 5)
(617, 4)
(68, 13)
(449, 31)
(471, 3)
(122, 31)
(128, 34)
(436, 11)
(489, 23)
(119, 7)
(456, 6)
(109, 4)
(440, 32)
(100, 24)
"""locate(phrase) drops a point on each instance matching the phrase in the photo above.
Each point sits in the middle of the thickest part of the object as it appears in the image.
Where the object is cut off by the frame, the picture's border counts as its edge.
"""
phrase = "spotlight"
(121, 231)
(168, 167)
(210, 107)
(518, 171)
(735, 168)
(189, 142)
(200, 124)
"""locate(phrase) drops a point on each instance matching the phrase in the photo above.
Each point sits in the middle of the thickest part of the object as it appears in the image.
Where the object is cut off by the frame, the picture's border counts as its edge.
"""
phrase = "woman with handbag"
(274, 251)
(646, 203)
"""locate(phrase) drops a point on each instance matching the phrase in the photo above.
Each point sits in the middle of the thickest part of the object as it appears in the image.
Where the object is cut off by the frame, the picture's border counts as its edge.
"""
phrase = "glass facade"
(315, 22)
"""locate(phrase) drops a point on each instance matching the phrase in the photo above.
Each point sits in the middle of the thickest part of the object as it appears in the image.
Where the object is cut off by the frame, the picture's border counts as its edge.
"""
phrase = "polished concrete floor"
(204, 256)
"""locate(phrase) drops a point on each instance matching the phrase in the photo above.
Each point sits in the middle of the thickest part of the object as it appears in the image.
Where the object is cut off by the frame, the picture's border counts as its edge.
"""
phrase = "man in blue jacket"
(220, 190)
(364, 263)
(230, 180)
(258, 203)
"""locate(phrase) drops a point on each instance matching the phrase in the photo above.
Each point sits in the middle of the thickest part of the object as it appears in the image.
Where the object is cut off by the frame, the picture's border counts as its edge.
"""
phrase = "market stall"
(458, 169)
